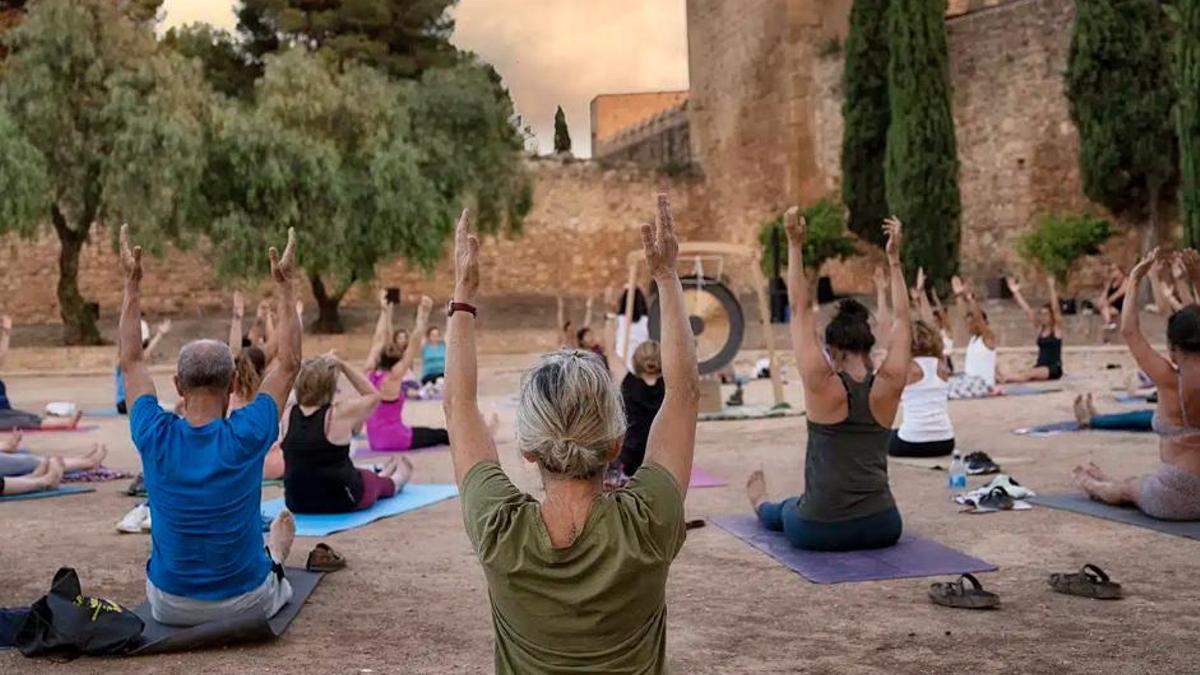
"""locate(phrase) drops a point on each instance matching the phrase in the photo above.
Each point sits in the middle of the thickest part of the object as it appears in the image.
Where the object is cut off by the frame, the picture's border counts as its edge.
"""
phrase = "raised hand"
(239, 304)
(1143, 267)
(1014, 286)
(6, 323)
(466, 261)
(920, 286)
(164, 327)
(957, 285)
(426, 305)
(131, 259)
(796, 226)
(283, 268)
(383, 300)
(659, 242)
(894, 230)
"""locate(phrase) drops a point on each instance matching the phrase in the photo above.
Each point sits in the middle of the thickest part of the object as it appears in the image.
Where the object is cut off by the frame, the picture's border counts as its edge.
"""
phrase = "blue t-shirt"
(206, 486)
(120, 385)
(433, 359)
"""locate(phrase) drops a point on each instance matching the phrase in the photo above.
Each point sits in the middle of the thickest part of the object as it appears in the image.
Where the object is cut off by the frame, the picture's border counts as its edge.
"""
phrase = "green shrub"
(1059, 241)
(827, 237)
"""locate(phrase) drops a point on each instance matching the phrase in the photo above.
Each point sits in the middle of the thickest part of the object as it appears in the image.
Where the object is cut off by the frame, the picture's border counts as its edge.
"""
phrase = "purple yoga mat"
(914, 556)
(704, 479)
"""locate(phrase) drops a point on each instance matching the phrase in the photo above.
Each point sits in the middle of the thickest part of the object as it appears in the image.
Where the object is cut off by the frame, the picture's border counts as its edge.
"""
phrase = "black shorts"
(1056, 371)
(122, 409)
(898, 447)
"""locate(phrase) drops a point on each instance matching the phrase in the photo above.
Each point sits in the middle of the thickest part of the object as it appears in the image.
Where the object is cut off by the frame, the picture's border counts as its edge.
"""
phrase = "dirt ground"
(413, 599)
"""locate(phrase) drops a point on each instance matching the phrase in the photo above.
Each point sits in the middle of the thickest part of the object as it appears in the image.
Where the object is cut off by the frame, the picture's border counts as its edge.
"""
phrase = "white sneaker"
(137, 521)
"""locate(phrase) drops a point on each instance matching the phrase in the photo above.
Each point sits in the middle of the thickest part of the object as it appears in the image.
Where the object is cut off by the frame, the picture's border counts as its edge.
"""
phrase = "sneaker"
(979, 464)
(138, 487)
(1010, 486)
(137, 521)
(736, 398)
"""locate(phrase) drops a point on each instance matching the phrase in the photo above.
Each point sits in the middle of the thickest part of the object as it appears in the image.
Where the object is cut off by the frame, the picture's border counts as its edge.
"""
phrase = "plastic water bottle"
(958, 473)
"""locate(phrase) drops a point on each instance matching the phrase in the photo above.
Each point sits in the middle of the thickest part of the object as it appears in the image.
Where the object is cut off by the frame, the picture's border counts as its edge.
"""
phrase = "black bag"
(65, 623)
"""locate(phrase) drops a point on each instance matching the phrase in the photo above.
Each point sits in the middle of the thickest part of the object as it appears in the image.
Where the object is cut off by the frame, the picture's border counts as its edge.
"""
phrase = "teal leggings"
(878, 530)
(1139, 420)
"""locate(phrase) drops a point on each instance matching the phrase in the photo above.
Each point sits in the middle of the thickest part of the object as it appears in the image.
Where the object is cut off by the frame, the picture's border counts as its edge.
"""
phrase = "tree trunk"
(79, 319)
(329, 321)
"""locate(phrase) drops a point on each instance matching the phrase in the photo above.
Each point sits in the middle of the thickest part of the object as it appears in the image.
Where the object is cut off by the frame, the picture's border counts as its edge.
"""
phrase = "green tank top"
(845, 464)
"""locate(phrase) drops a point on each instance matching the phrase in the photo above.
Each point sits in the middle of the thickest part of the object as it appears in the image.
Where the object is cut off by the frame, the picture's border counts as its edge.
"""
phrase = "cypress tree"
(866, 114)
(562, 135)
(1188, 55)
(921, 168)
(1120, 92)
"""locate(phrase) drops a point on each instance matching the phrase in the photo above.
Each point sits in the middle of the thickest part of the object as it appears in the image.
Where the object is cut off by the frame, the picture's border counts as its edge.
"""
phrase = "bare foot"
(13, 443)
(96, 457)
(389, 468)
(1091, 405)
(1095, 472)
(403, 474)
(283, 533)
(42, 469)
(756, 489)
(1082, 417)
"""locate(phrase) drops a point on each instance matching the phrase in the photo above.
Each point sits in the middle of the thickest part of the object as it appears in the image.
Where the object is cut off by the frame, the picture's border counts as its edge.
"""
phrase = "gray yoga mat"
(913, 556)
(59, 491)
(246, 628)
(1078, 503)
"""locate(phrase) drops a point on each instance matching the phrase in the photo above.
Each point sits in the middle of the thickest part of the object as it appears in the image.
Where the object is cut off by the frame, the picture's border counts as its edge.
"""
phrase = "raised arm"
(815, 370)
(410, 351)
(1190, 280)
(587, 313)
(562, 327)
(1150, 361)
(1015, 288)
(235, 324)
(5, 335)
(883, 312)
(353, 411)
(138, 382)
(383, 333)
(470, 440)
(160, 331)
(281, 374)
(672, 439)
(892, 375)
(967, 296)
(1055, 305)
(921, 295)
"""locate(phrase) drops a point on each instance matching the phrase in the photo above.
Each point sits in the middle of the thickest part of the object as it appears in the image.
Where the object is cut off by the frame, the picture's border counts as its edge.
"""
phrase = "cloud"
(550, 52)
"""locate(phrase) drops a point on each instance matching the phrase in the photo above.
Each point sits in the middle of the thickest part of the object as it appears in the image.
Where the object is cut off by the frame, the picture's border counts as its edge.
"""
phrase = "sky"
(549, 52)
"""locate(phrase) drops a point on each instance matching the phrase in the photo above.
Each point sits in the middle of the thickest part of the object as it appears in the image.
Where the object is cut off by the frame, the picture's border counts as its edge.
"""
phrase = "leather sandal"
(324, 559)
(1089, 582)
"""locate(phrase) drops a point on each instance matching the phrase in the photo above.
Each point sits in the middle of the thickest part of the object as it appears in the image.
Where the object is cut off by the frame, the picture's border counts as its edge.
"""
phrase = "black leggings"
(424, 437)
(898, 447)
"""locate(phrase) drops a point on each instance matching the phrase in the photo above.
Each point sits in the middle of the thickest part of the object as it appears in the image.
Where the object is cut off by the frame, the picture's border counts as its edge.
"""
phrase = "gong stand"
(702, 257)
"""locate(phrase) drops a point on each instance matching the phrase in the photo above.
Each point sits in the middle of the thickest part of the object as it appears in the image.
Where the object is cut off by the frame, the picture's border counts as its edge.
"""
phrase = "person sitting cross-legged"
(577, 582)
(204, 469)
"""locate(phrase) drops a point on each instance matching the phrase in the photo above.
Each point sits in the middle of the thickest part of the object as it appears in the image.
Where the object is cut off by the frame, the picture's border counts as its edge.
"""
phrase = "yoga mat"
(703, 479)
(79, 428)
(413, 497)
(913, 556)
(748, 412)
(364, 451)
(929, 463)
(100, 475)
(1065, 427)
(245, 628)
(59, 491)
(101, 412)
(1132, 399)
(1078, 503)
(1021, 390)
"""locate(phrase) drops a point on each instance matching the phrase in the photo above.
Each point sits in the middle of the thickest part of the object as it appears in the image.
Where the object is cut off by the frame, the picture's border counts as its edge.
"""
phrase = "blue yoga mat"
(1024, 390)
(1131, 398)
(101, 412)
(1065, 427)
(44, 494)
(913, 556)
(413, 497)
(1078, 503)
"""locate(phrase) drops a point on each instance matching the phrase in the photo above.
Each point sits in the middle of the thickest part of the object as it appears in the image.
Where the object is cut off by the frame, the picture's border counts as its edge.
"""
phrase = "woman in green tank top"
(847, 504)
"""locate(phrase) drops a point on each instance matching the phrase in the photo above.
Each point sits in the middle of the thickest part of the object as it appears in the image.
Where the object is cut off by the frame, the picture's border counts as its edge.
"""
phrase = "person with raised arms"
(847, 503)
(577, 582)
(205, 468)
(1048, 322)
(1173, 491)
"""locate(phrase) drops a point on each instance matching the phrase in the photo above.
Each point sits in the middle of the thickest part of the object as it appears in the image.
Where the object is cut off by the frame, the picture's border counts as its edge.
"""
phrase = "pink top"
(386, 431)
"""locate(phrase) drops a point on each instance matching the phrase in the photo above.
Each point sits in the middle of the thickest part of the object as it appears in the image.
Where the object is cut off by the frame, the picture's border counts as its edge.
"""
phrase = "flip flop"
(958, 595)
(997, 499)
(324, 559)
(694, 524)
(1089, 582)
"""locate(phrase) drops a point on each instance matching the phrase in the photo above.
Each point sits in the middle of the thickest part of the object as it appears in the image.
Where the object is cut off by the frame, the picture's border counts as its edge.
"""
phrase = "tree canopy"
(1187, 36)
(867, 114)
(562, 135)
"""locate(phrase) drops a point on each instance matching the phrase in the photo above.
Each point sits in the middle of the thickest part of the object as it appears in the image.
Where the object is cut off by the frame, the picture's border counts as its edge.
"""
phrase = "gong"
(716, 319)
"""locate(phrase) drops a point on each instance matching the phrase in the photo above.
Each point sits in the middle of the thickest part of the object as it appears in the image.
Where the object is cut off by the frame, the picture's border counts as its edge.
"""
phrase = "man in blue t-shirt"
(204, 469)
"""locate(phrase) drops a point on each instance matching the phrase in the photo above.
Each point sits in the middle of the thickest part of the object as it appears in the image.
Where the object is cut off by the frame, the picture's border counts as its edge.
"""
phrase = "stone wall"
(612, 113)
(662, 141)
(575, 242)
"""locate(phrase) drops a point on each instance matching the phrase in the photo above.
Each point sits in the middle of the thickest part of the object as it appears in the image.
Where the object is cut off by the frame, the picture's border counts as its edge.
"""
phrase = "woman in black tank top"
(1048, 322)
(319, 476)
(847, 504)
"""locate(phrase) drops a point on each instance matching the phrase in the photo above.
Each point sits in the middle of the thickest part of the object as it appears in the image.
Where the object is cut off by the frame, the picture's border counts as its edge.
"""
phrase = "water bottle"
(958, 473)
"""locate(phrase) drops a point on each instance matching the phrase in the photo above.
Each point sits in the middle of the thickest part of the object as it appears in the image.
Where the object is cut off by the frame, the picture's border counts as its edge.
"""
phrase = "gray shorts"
(18, 463)
(175, 610)
(1170, 493)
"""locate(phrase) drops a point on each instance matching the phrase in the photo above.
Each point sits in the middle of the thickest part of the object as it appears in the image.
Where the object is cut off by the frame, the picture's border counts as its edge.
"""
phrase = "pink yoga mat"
(704, 479)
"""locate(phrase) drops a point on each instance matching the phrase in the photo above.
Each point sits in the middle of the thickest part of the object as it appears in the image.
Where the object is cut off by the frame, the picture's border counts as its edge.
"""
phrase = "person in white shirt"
(926, 430)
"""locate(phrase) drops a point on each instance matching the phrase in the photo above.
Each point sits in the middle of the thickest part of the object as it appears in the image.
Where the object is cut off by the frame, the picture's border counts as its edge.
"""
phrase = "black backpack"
(65, 623)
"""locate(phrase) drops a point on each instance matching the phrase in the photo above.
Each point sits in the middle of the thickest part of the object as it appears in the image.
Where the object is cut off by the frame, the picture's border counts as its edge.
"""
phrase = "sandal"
(694, 524)
(1089, 582)
(324, 559)
(958, 595)
(997, 499)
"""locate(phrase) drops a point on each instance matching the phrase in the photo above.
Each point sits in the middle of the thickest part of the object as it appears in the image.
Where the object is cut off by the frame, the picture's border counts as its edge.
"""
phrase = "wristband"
(461, 307)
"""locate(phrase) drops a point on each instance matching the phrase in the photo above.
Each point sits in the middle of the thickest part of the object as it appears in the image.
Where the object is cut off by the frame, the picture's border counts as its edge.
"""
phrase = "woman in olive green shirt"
(577, 583)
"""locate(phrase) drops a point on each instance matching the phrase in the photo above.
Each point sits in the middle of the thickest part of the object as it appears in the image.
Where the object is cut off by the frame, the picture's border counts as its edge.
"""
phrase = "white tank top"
(981, 361)
(926, 406)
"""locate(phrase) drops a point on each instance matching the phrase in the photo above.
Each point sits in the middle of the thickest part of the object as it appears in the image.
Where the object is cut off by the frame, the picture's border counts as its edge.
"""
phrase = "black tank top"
(318, 476)
(845, 464)
(1049, 350)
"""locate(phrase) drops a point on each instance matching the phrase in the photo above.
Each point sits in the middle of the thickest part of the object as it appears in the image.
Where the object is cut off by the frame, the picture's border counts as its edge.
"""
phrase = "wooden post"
(764, 313)
(629, 297)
